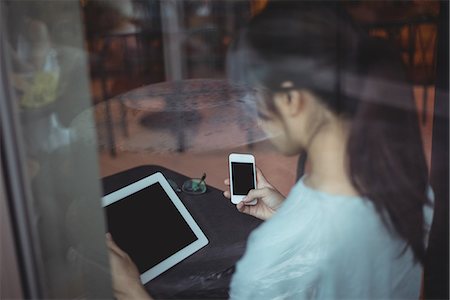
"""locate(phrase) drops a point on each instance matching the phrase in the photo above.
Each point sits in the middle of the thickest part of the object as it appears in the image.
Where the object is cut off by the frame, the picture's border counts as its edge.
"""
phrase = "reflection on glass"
(50, 84)
(145, 82)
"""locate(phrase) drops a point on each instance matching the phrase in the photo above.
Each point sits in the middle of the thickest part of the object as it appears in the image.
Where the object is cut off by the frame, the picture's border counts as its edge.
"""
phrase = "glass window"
(48, 73)
(107, 92)
(161, 91)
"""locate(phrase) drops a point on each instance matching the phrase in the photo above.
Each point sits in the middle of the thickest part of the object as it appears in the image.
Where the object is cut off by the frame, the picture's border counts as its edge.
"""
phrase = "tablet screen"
(148, 226)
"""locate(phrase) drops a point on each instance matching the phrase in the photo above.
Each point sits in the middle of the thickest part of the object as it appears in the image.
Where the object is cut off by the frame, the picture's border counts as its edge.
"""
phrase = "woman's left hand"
(125, 275)
(269, 198)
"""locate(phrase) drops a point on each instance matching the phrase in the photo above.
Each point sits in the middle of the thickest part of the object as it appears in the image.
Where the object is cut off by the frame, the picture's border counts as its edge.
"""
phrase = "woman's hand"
(269, 199)
(125, 275)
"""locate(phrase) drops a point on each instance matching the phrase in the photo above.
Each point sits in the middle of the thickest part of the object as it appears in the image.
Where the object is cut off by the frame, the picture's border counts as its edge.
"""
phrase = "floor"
(210, 136)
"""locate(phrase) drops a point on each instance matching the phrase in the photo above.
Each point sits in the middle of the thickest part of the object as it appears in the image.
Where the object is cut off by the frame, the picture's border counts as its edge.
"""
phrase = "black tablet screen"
(148, 226)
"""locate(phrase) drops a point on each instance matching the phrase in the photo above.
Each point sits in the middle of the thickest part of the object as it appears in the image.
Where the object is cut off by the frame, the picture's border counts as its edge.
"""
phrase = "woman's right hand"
(268, 198)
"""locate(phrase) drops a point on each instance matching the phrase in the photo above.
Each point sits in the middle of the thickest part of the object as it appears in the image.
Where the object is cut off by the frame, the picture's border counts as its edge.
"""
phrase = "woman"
(356, 225)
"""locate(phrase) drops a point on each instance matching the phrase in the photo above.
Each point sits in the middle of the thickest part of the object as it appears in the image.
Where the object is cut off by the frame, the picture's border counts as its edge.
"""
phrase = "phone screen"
(242, 176)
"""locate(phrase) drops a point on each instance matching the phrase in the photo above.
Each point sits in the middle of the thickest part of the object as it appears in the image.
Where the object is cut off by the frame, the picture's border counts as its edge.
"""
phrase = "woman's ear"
(291, 104)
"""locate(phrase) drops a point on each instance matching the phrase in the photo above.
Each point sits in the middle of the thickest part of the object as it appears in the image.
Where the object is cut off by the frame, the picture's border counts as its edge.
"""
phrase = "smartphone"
(242, 176)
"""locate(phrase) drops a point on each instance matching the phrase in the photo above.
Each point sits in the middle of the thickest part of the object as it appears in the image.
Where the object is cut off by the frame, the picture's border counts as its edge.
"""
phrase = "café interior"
(98, 94)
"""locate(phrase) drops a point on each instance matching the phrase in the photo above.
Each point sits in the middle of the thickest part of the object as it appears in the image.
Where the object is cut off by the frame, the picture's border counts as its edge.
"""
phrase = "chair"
(416, 38)
(123, 61)
(422, 56)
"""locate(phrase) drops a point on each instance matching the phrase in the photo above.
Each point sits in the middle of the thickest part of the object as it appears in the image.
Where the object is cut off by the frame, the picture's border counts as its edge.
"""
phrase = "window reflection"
(50, 86)
(128, 46)
(106, 85)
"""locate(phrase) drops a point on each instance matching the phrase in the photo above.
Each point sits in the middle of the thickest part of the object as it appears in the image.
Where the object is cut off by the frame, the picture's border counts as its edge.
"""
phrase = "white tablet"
(149, 222)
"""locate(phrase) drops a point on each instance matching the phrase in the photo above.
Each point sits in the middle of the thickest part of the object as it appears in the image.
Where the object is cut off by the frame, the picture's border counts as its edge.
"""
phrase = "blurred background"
(136, 45)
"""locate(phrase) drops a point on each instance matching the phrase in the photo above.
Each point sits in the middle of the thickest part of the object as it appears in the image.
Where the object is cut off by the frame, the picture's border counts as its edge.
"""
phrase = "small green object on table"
(195, 186)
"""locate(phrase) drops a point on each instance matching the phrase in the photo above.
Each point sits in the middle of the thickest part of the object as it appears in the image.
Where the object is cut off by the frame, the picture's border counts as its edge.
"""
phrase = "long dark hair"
(317, 47)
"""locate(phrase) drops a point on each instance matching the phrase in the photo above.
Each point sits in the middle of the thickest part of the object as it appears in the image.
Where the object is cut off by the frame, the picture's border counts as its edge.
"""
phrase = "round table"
(195, 114)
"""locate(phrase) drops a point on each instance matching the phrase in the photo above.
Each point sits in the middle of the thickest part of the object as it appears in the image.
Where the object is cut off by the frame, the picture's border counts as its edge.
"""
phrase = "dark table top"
(206, 273)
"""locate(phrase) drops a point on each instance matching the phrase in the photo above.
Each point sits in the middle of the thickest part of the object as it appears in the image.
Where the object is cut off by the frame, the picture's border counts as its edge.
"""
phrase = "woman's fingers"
(227, 193)
(260, 179)
(113, 246)
(255, 194)
(241, 207)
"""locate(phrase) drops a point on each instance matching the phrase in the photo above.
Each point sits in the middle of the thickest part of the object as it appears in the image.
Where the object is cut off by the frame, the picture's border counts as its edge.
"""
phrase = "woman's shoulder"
(292, 248)
(312, 217)
(325, 208)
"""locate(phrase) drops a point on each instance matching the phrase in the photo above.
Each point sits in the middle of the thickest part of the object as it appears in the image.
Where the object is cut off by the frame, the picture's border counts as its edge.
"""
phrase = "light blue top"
(322, 246)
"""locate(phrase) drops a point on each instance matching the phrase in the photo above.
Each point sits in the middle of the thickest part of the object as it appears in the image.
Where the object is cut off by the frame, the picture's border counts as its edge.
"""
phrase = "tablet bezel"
(181, 254)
